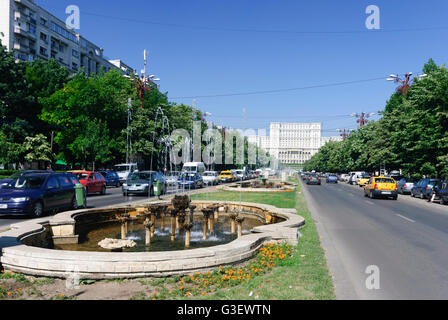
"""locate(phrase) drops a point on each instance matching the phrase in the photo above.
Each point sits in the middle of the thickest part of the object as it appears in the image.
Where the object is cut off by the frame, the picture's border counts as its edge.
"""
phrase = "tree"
(37, 149)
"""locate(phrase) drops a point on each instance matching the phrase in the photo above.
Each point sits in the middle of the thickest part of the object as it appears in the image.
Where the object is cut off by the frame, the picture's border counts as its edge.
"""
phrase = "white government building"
(292, 143)
(32, 32)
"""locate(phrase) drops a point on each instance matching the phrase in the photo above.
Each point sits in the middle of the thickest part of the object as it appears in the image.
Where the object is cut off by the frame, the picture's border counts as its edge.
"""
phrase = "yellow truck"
(381, 187)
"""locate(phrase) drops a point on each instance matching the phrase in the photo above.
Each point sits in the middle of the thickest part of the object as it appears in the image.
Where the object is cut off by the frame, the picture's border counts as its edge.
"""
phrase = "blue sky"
(203, 47)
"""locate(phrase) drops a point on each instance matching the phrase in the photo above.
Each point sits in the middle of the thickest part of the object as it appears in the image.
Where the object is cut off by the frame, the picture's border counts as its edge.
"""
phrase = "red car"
(93, 181)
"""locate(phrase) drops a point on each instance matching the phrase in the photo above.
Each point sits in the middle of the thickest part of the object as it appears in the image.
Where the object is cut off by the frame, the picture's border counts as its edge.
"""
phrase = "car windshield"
(15, 175)
(187, 175)
(209, 174)
(193, 168)
(384, 180)
(140, 176)
(121, 168)
(81, 175)
(24, 182)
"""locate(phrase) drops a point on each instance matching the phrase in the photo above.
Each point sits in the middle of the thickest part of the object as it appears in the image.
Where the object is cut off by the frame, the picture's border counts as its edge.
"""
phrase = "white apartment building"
(32, 32)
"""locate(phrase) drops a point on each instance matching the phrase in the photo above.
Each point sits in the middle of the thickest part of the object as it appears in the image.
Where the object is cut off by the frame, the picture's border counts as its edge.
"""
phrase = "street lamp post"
(344, 133)
(404, 81)
(362, 117)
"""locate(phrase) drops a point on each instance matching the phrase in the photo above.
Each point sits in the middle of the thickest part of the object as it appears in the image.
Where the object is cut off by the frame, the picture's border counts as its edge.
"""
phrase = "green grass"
(303, 277)
(280, 199)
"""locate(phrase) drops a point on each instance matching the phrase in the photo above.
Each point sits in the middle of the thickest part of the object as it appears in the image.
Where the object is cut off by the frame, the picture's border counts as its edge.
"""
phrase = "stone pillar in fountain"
(148, 225)
(216, 212)
(188, 226)
(210, 224)
(240, 220)
(173, 223)
(233, 217)
(206, 212)
(123, 219)
(181, 220)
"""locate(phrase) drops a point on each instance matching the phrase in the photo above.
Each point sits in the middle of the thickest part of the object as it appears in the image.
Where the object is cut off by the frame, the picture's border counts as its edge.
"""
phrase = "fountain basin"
(24, 246)
(258, 186)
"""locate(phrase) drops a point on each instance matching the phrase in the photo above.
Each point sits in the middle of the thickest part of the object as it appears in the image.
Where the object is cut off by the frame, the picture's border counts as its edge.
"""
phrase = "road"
(112, 196)
(406, 239)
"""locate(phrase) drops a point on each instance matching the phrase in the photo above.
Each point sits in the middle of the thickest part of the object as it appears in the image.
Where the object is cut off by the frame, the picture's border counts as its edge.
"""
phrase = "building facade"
(290, 143)
(32, 32)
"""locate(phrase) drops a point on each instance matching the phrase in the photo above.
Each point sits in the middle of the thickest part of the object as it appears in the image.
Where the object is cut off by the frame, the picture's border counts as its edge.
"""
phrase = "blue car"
(33, 194)
(112, 178)
(332, 178)
(423, 188)
(190, 180)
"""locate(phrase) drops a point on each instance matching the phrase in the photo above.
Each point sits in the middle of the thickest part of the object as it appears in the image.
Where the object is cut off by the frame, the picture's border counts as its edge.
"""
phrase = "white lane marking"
(399, 215)
(350, 194)
(370, 202)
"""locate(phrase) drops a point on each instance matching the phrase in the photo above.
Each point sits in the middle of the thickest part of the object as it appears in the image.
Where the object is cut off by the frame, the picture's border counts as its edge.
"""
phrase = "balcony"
(19, 30)
(21, 46)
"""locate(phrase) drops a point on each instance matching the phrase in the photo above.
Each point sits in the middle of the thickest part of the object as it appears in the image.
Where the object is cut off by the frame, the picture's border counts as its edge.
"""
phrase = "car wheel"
(117, 185)
(151, 191)
(125, 194)
(103, 191)
(395, 198)
(371, 195)
(412, 194)
(37, 210)
(422, 196)
(443, 201)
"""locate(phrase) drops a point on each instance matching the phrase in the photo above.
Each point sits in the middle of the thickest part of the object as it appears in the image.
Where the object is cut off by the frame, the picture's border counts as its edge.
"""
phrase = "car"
(381, 186)
(5, 182)
(111, 177)
(332, 178)
(33, 194)
(423, 188)
(313, 179)
(226, 176)
(171, 178)
(404, 185)
(190, 180)
(142, 183)
(343, 177)
(94, 182)
(241, 174)
(124, 170)
(442, 191)
(210, 178)
(198, 167)
(363, 180)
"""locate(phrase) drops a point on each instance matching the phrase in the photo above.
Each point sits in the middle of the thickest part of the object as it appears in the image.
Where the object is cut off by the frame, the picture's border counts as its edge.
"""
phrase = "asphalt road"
(112, 196)
(406, 239)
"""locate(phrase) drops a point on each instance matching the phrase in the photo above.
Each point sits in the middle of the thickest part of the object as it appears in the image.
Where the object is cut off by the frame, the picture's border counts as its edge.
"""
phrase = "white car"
(210, 178)
(172, 177)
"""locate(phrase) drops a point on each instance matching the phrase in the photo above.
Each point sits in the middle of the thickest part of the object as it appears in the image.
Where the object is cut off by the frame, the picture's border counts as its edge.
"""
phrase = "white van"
(124, 170)
(198, 167)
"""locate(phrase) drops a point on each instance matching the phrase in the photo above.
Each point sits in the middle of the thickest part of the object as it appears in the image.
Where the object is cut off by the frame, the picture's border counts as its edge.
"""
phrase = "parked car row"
(34, 193)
